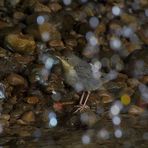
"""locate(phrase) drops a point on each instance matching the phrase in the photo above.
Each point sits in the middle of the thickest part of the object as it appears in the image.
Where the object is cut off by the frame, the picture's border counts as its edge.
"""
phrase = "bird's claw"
(81, 108)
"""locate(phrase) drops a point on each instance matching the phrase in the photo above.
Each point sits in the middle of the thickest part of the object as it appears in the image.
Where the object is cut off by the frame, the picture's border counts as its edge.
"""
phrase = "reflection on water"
(132, 132)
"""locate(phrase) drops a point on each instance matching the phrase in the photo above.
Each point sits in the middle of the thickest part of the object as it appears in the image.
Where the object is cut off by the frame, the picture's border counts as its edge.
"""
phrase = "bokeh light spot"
(118, 133)
(93, 22)
(125, 99)
(116, 10)
(85, 139)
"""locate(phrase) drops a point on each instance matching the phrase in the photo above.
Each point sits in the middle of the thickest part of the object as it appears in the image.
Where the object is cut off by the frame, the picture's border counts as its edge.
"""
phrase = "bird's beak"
(61, 59)
(58, 57)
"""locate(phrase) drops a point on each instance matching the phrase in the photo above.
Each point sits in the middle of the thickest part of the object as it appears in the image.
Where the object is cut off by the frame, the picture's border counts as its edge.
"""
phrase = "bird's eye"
(67, 59)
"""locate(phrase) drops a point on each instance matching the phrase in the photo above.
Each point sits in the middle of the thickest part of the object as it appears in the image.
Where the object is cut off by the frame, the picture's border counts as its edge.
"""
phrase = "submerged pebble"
(23, 44)
(16, 80)
(28, 117)
(35, 102)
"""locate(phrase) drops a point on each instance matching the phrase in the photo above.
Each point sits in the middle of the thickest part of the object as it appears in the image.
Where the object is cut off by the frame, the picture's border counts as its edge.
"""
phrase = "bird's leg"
(81, 99)
(88, 94)
(81, 105)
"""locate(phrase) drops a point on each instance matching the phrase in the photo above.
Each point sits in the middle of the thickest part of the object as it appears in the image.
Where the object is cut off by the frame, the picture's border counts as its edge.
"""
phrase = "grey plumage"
(78, 73)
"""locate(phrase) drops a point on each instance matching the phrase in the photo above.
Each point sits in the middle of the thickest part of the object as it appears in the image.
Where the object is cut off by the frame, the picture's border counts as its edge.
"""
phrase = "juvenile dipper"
(79, 75)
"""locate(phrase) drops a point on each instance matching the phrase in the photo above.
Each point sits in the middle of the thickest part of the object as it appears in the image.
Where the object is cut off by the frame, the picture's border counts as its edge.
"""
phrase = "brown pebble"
(20, 43)
(24, 133)
(107, 99)
(15, 80)
(122, 77)
(5, 117)
(18, 15)
(3, 52)
(4, 123)
(32, 100)
(55, 6)
(132, 82)
(41, 8)
(23, 59)
(49, 29)
(56, 43)
(3, 24)
(135, 110)
(28, 117)
(20, 121)
(71, 42)
(144, 79)
(143, 35)
(105, 96)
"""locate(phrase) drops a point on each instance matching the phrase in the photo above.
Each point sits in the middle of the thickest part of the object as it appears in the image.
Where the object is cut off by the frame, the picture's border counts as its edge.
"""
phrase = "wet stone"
(71, 42)
(15, 80)
(24, 133)
(32, 100)
(3, 53)
(135, 110)
(5, 117)
(16, 114)
(137, 63)
(56, 44)
(133, 82)
(18, 16)
(7, 66)
(142, 33)
(7, 108)
(13, 3)
(107, 99)
(9, 30)
(144, 79)
(23, 44)
(24, 60)
(28, 117)
(39, 7)
(23, 106)
(3, 24)
(55, 7)
(4, 123)
(44, 32)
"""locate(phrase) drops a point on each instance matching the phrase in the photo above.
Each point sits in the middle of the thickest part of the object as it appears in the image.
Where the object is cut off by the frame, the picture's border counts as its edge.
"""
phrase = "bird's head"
(65, 63)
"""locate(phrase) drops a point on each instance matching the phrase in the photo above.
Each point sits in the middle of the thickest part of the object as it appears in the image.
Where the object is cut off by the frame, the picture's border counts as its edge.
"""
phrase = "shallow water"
(134, 135)
(102, 33)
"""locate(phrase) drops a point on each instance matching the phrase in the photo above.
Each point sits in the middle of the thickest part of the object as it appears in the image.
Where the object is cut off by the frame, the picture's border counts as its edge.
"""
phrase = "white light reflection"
(85, 139)
(40, 20)
(103, 134)
(45, 36)
(93, 22)
(53, 122)
(116, 120)
(67, 2)
(115, 43)
(116, 108)
(116, 10)
(118, 133)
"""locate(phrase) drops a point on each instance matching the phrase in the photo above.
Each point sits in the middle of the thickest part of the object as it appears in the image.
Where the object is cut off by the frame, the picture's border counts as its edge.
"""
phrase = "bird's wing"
(83, 70)
(85, 75)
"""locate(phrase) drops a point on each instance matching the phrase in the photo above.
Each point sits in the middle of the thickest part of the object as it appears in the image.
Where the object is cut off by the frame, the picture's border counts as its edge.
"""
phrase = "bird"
(78, 74)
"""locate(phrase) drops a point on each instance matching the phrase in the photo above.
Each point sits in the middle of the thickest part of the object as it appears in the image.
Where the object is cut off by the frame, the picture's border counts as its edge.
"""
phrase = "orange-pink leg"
(81, 99)
(82, 105)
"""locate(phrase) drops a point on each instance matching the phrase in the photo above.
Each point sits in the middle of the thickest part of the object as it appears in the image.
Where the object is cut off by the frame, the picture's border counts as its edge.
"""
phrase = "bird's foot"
(81, 108)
